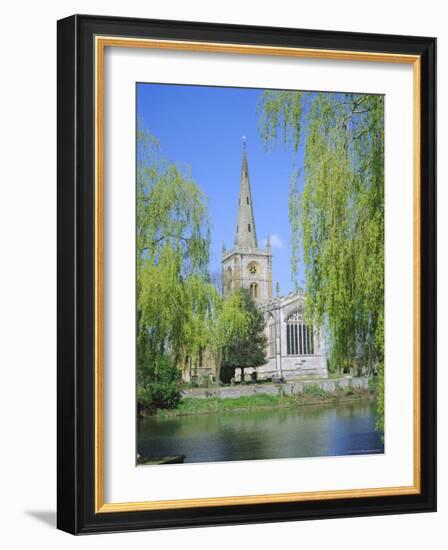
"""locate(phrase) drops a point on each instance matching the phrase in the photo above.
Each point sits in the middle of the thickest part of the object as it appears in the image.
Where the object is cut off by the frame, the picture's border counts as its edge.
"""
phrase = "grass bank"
(312, 395)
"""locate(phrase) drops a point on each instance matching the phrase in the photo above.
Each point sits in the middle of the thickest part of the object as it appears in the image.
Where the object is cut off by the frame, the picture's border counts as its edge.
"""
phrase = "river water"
(307, 431)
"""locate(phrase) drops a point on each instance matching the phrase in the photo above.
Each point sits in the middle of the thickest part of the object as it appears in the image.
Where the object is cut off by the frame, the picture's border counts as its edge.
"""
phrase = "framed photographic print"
(246, 274)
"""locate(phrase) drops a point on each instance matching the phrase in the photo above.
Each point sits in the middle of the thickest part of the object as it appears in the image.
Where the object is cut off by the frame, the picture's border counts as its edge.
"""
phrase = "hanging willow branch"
(338, 219)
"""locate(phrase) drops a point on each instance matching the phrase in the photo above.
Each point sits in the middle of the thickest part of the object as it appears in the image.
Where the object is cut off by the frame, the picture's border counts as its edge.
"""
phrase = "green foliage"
(246, 348)
(179, 310)
(257, 401)
(314, 390)
(231, 321)
(159, 384)
(380, 378)
(338, 219)
(175, 298)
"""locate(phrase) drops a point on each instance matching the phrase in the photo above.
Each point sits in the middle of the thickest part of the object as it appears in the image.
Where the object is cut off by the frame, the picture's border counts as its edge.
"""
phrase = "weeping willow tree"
(337, 222)
(180, 313)
(174, 295)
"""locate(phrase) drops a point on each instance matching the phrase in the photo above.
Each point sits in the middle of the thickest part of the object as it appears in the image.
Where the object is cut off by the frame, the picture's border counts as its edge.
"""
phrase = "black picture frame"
(76, 255)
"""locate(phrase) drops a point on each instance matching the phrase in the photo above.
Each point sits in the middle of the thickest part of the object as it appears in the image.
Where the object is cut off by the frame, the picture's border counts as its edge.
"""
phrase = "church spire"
(246, 235)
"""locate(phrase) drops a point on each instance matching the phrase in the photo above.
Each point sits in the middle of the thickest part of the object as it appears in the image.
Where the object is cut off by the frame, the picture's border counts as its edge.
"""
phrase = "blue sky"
(201, 128)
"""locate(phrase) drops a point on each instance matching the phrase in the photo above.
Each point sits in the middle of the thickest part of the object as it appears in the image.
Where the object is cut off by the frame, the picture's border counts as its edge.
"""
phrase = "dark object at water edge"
(174, 459)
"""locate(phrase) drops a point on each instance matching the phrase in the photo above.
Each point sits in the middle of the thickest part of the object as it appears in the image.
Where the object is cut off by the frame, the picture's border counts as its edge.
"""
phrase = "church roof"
(290, 300)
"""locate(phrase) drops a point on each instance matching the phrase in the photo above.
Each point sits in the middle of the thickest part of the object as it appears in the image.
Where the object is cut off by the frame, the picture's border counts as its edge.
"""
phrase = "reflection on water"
(309, 431)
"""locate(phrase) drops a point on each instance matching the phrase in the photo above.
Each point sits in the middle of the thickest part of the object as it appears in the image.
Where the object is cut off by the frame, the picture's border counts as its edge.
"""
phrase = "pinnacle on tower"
(246, 235)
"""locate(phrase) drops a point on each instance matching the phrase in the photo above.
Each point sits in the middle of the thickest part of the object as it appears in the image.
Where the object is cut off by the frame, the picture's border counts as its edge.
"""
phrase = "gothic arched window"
(253, 290)
(299, 336)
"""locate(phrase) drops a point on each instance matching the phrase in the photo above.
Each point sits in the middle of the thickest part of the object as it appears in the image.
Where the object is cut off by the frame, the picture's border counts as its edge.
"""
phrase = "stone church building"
(294, 349)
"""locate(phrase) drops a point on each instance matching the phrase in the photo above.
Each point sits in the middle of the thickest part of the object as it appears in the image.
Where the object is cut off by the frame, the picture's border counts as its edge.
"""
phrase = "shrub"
(373, 384)
(160, 385)
(314, 390)
(226, 374)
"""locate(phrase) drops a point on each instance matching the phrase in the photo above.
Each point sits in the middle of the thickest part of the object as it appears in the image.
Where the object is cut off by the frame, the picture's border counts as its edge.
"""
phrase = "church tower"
(246, 265)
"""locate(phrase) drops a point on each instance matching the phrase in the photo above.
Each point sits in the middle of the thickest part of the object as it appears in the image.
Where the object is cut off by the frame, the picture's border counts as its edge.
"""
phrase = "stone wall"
(289, 388)
(305, 366)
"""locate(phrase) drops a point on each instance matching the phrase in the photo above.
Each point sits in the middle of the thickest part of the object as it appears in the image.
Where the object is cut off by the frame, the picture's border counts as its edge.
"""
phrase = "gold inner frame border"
(101, 42)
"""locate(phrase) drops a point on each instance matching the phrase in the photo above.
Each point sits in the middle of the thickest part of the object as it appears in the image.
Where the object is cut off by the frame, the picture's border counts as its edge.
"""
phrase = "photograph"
(259, 274)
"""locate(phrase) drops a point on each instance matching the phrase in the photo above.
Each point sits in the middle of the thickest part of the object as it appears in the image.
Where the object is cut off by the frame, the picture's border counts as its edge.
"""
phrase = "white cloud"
(276, 241)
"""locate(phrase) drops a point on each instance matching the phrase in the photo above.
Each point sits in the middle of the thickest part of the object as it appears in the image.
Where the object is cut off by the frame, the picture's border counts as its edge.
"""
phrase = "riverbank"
(312, 395)
(321, 386)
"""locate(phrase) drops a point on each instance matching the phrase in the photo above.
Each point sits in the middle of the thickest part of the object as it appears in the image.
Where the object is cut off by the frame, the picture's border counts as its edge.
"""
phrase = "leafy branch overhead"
(180, 312)
(338, 219)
